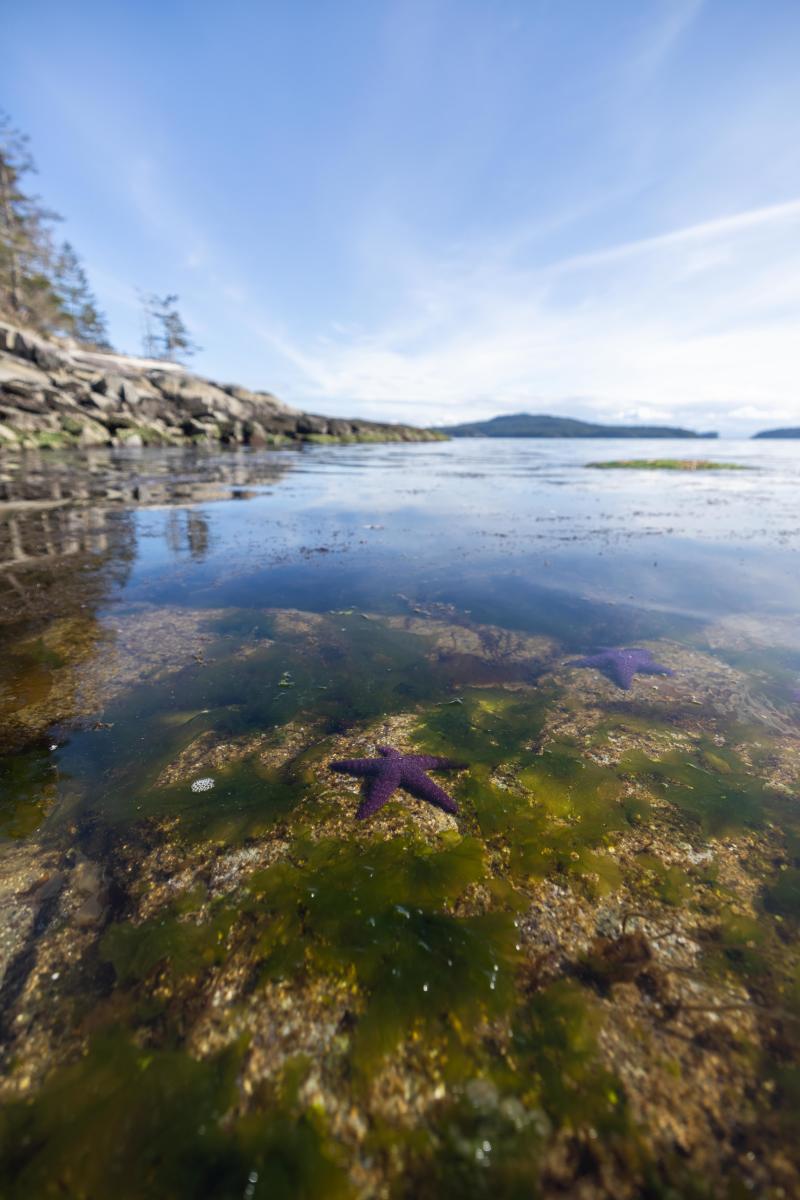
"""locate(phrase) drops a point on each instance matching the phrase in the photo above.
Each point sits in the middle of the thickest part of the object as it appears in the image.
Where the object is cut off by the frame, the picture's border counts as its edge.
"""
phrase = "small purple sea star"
(794, 695)
(621, 665)
(382, 776)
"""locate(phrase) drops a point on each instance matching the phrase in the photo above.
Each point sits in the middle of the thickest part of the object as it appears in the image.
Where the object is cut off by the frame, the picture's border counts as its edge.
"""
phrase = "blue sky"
(436, 210)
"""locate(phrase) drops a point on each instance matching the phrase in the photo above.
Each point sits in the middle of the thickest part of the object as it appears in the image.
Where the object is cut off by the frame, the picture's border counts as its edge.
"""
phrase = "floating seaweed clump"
(668, 464)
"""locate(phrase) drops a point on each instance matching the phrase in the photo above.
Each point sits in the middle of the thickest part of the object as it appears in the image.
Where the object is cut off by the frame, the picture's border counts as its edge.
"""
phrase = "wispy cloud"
(697, 323)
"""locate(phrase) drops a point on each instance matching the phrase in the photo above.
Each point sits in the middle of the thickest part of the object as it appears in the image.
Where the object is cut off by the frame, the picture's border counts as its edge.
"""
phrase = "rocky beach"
(62, 394)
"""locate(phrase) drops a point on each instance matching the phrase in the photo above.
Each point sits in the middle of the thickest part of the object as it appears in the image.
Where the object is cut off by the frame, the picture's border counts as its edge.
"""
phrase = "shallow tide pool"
(217, 982)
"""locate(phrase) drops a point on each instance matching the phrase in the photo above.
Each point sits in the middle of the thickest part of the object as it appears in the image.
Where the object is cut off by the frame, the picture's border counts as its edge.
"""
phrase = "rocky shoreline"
(57, 394)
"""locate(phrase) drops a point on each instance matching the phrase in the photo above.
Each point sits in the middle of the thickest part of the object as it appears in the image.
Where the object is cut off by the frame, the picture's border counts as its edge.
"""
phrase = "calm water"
(586, 983)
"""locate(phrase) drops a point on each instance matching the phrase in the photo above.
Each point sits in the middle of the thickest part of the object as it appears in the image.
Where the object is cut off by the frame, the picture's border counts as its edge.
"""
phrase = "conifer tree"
(82, 318)
(41, 287)
(27, 293)
(165, 333)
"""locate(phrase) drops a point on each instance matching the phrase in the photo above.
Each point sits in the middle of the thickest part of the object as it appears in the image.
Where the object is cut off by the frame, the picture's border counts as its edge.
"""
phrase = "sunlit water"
(586, 983)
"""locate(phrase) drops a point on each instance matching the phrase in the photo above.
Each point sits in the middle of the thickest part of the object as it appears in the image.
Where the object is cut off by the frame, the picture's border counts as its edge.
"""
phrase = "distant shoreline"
(528, 425)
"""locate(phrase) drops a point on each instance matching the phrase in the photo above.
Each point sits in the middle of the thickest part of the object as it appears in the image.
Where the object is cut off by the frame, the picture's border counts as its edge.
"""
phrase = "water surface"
(585, 983)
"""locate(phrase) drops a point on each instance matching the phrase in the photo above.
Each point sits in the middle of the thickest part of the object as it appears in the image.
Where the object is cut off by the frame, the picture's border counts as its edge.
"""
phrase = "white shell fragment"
(202, 785)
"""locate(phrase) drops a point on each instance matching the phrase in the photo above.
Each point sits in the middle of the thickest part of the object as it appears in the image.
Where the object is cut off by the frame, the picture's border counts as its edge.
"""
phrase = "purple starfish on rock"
(621, 665)
(383, 776)
(794, 695)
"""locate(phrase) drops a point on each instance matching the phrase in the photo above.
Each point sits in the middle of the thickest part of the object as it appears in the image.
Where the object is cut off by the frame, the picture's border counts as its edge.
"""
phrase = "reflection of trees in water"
(187, 531)
(67, 533)
(138, 477)
(68, 539)
(55, 562)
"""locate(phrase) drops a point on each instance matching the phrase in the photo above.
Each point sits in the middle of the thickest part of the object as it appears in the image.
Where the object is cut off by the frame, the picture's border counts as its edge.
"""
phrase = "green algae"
(783, 895)
(710, 784)
(654, 879)
(739, 945)
(248, 799)
(373, 912)
(668, 464)
(486, 1147)
(128, 1121)
(28, 783)
(488, 1141)
(488, 727)
(557, 818)
(554, 1047)
(181, 947)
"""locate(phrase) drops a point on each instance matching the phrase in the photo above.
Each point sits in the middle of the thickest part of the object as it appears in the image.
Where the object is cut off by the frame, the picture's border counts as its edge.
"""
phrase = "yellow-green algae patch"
(668, 464)
(490, 1139)
(487, 726)
(709, 784)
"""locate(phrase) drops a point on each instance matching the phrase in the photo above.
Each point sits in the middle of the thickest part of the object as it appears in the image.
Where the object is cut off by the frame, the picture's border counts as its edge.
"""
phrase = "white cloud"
(697, 324)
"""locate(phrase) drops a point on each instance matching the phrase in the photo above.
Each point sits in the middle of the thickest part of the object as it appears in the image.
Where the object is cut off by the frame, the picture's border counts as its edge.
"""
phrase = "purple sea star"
(794, 695)
(621, 665)
(382, 776)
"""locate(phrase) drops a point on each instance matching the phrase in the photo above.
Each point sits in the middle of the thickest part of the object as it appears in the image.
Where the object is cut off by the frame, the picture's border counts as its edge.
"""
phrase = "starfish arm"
(621, 673)
(425, 789)
(608, 664)
(433, 762)
(376, 792)
(356, 766)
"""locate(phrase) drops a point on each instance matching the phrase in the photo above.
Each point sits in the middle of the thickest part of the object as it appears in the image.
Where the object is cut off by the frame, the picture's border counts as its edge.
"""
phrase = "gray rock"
(15, 368)
(93, 434)
(93, 395)
(101, 402)
(26, 395)
(129, 393)
(90, 913)
(255, 434)
(46, 358)
(25, 422)
(111, 386)
(339, 428)
(311, 424)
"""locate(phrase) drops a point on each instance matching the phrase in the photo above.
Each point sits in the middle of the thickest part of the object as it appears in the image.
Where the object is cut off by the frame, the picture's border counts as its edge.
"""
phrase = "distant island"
(540, 426)
(778, 433)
